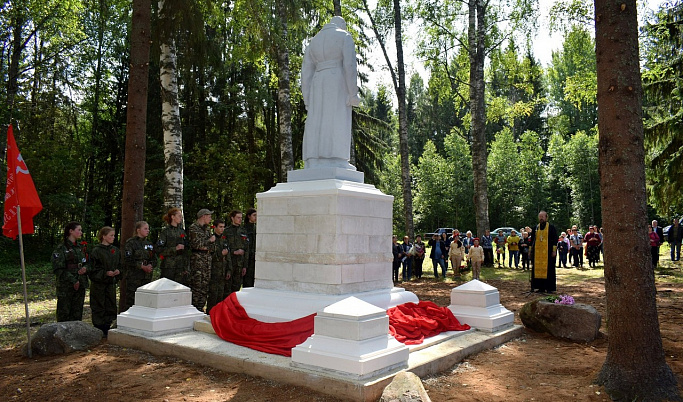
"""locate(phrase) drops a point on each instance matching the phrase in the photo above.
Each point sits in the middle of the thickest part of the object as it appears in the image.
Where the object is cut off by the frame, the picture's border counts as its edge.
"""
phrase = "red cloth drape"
(231, 322)
(410, 323)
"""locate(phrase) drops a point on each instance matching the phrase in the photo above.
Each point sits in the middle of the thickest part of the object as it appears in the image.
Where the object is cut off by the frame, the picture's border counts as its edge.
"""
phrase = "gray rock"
(405, 387)
(576, 322)
(64, 337)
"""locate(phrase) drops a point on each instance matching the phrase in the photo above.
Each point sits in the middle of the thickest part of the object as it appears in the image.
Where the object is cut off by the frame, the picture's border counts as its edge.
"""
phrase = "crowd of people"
(572, 248)
(213, 260)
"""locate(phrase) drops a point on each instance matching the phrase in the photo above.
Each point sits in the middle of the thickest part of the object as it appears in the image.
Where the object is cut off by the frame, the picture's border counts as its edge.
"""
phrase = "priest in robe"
(543, 251)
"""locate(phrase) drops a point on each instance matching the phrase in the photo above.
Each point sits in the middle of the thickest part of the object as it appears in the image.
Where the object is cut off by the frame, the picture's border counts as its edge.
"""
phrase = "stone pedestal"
(478, 305)
(351, 338)
(318, 242)
(161, 307)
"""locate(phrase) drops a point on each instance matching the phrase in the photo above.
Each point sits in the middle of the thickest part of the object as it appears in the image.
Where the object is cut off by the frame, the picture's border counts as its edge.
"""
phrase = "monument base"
(268, 305)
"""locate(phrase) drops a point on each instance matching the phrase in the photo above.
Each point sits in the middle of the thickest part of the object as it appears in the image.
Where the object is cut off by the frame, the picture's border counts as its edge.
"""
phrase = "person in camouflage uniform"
(238, 242)
(139, 262)
(219, 286)
(70, 265)
(105, 264)
(171, 248)
(250, 228)
(201, 241)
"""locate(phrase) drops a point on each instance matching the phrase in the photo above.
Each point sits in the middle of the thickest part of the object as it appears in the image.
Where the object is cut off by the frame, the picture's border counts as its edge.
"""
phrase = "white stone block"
(161, 306)
(478, 305)
(310, 206)
(274, 271)
(163, 293)
(317, 274)
(377, 271)
(475, 293)
(352, 273)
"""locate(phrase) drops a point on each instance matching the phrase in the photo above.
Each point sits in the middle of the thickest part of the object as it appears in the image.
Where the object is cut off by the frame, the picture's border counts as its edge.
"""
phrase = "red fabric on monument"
(410, 323)
(231, 322)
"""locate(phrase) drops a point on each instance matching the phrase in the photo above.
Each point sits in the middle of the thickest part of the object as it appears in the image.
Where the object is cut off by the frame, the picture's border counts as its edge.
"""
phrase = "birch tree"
(170, 111)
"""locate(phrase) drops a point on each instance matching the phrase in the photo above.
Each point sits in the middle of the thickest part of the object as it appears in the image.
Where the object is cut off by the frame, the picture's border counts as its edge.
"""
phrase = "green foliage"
(663, 108)
(572, 84)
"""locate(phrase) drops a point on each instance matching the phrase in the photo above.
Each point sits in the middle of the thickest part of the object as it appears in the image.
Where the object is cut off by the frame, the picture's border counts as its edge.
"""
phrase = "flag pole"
(23, 278)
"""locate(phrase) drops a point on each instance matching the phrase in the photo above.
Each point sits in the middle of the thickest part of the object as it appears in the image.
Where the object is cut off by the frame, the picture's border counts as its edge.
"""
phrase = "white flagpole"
(23, 278)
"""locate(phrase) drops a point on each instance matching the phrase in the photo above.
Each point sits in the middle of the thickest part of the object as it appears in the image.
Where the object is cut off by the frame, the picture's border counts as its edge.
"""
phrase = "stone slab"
(322, 173)
(209, 350)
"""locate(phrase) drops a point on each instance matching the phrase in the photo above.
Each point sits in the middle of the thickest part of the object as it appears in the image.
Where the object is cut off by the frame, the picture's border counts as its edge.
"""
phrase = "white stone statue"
(328, 83)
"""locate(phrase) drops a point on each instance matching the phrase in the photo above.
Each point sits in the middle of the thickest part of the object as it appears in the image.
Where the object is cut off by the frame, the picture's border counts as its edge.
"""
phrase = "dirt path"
(535, 367)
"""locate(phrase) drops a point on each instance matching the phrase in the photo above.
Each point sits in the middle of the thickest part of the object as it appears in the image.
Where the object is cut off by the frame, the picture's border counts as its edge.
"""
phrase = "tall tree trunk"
(403, 124)
(476, 37)
(283, 96)
(170, 116)
(95, 128)
(136, 121)
(337, 8)
(635, 367)
(15, 57)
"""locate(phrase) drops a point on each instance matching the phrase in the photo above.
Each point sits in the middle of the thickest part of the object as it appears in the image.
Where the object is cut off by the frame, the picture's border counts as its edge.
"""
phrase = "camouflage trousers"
(103, 303)
(219, 288)
(70, 304)
(200, 277)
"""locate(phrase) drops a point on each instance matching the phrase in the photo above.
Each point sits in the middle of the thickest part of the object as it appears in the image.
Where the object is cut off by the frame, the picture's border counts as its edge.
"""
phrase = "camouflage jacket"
(139, 252)
(238, 239)
(250, 228)
(165, 247)
(199, 237)
(67, 260)
(102, 259)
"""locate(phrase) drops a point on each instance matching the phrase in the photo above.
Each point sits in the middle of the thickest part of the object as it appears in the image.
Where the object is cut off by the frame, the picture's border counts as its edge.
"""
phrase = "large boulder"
(64, 337)
(405, 387)
(576, 322)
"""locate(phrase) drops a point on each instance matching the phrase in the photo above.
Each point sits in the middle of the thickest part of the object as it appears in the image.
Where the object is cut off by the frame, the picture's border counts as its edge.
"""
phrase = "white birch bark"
(170, 118)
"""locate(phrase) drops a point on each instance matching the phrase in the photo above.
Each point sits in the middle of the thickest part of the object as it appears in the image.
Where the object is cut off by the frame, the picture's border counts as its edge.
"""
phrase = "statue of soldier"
(330, 90)
(201, 240)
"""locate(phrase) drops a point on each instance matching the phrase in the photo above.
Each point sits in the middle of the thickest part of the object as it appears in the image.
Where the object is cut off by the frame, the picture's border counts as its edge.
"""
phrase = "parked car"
(438, 231)
(506, 231)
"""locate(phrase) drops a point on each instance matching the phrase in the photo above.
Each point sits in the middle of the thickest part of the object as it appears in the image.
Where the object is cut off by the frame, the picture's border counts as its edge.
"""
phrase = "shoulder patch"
(55, 255)
(129, 253)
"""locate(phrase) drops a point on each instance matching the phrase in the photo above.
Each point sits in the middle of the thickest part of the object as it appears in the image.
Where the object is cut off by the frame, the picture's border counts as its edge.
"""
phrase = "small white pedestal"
(161, 307)
(351, 338)
(478, 305)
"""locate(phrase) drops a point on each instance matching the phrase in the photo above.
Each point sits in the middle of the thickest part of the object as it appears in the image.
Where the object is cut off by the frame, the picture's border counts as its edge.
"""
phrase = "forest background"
(65, 69)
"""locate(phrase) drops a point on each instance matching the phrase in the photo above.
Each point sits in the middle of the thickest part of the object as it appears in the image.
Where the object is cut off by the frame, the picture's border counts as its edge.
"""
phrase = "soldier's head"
(73, 231)
(174, 216)
(219, 226)
(204, 216)
(339, 22)
(236, 217)
(106, 235)
(141, 229)
(251, 215)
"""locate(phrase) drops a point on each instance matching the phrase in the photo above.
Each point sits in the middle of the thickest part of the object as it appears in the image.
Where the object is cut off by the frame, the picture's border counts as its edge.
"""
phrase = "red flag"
(20, 192)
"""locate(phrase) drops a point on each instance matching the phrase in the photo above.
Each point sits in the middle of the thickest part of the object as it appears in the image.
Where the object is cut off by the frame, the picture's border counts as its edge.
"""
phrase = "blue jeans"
(407, 268)
(677, 249)
(514, 254)
(442, 262)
